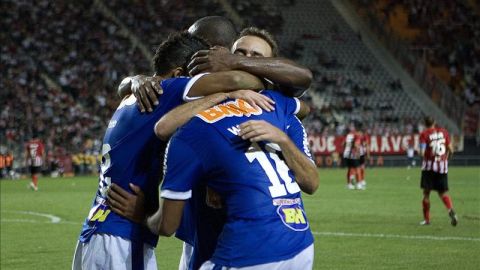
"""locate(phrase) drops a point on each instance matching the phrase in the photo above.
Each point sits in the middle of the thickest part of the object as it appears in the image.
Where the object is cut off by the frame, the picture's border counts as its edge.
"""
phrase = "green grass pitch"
(373, 229)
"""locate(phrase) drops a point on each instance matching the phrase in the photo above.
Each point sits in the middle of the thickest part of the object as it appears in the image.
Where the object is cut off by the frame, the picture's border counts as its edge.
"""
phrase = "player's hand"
(213, 60)
(145, 89)
(213, 199)
(254, 99)
(130, 206)
(260, 130)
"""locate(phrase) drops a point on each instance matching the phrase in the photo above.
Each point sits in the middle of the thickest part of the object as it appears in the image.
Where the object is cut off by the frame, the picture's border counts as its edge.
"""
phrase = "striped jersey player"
(35, 156)
(435, 149)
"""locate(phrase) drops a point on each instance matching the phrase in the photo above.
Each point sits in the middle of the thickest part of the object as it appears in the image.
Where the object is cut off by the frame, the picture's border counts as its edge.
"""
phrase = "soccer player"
(364, 156)
(132, 154)
(351, 156)
(410, 150)
(435, 149)
(34, 157)
(250, 164)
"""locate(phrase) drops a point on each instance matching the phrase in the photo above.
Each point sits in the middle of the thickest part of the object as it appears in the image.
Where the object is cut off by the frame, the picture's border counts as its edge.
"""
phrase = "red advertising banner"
(379, 145)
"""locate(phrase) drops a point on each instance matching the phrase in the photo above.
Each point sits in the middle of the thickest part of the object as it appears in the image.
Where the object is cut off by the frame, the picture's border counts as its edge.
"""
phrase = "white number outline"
(105, 182)
(277, 189)
(438, 147)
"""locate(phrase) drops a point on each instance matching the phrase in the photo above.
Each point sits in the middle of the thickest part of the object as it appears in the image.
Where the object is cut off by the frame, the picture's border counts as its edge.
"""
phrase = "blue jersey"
(265, 218)
(131, 153)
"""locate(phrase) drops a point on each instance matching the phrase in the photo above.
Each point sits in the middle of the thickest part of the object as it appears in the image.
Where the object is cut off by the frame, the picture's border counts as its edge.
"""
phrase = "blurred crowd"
(61, 62)
(449, 37)
(349, 105)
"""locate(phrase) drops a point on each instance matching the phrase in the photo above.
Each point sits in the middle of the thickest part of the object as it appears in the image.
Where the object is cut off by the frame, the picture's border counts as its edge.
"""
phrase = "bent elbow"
(310, 190)
(236, 78)
(308, 78)
(161, 131)
(163, 231)
(313, 182)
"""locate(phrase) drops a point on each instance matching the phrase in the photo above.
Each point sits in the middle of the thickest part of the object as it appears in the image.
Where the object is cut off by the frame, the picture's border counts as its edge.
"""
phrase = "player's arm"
(167, 219)
(177, 117)
(144, 88)
(293, 78)
(225, 81)
(306, 174)
(449, 151)
(303, 111)
(126, 204)
(181, 174)
(367, 147)
(423, 145)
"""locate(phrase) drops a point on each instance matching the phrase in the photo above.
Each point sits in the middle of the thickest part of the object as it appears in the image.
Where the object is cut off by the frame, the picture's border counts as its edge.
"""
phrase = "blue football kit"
(131, 153)
(265, 220)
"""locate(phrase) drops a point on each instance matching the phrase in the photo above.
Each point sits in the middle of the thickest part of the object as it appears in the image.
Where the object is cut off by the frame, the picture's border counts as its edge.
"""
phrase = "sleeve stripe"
(176, 195)
(189, 85)
(297, 101)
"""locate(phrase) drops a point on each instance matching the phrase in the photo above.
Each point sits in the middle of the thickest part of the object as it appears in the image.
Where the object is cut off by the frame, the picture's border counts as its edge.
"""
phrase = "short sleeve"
(447, 137)
(298, 135)
(290, 105)
(182, 169)
(181, 85)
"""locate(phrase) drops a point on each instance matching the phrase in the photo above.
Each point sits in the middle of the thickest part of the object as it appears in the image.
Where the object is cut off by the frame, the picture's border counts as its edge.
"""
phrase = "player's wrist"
(238, 62)
(282, 139)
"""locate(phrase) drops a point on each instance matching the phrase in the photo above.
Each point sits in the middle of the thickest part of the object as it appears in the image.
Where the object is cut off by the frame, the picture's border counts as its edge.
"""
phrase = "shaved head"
(216, 30)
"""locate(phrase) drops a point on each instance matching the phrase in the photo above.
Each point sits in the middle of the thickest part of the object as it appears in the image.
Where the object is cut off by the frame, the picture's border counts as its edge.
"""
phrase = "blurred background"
(386, 64)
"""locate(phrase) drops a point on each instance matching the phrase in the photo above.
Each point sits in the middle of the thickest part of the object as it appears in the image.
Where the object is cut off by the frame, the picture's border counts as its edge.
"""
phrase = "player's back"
(131, 153)
(35, 150)
(350, 150)
(266, 220)
(363, 141)
(435, 141)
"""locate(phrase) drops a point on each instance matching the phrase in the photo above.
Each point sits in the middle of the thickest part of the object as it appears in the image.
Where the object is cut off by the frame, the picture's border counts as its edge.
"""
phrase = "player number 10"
(277, 189)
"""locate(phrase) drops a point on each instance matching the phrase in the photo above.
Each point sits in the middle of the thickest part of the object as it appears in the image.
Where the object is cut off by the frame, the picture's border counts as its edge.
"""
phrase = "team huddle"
(233, 171)
(233, 161)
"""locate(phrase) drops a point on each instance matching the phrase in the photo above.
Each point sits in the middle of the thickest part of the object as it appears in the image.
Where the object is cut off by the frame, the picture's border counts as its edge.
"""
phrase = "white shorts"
(303, 260)
(186, 256)
(105, 251)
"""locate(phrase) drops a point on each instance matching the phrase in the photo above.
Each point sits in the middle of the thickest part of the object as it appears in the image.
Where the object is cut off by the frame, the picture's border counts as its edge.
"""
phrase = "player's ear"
(178, 72)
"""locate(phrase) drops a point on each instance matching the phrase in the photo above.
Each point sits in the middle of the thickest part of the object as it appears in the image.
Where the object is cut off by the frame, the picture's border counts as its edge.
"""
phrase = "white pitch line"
(53, 219)
(381, 235)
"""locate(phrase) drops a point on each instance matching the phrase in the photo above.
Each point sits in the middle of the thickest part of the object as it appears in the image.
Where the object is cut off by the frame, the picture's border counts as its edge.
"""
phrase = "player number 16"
(277, 189)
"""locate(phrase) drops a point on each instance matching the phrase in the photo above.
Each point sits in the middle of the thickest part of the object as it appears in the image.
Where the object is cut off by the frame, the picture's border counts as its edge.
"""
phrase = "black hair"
(216, 30)
(429, 121)
(176, 51)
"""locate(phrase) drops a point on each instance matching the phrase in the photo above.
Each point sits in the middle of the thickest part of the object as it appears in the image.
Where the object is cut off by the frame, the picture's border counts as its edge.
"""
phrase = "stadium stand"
(445, 36)
(61, 63)
(350, 84)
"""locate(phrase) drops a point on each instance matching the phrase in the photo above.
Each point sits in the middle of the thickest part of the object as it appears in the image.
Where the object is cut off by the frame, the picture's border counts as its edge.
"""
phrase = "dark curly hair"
(176, 51)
